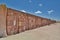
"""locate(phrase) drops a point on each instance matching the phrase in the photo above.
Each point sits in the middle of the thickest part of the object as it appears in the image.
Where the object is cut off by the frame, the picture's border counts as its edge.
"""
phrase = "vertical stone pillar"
(3, 12)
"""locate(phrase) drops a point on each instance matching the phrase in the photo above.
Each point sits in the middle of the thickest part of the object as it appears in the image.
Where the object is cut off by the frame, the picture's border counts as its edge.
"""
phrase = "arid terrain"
(49, 32)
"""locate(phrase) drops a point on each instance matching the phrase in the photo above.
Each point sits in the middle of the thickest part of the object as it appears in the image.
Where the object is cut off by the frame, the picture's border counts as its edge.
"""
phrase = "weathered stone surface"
(24, 21)
(13, 21)
(3, 11)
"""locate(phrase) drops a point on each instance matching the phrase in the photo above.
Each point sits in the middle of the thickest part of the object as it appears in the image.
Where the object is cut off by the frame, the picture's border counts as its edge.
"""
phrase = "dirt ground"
(49, 32)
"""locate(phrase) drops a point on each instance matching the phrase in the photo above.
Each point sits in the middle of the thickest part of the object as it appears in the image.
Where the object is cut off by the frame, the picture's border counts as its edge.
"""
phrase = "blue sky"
(44, 8)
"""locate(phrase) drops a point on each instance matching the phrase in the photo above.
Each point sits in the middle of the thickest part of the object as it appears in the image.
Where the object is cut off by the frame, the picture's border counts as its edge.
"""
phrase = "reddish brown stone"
(14, 21)
(23, 22)
(31, 20)
(44, 21)
(38, 21)
(3, 13)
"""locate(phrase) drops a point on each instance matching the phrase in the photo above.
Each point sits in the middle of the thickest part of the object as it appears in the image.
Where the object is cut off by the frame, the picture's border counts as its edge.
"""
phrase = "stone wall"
(3, 12)
(24, 21)
(14, 21)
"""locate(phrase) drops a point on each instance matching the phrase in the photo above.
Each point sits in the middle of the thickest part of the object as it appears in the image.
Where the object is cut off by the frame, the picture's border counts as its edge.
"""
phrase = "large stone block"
(3, 12)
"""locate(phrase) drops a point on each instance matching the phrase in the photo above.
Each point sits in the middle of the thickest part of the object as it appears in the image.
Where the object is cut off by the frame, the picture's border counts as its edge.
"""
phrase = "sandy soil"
(49, 32)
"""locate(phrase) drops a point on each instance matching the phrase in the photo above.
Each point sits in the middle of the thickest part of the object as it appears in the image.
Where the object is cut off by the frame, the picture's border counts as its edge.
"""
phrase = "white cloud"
(23, 10)
(50, 11)
(38, 12)
(40, 4)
